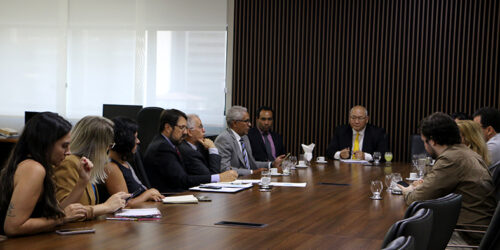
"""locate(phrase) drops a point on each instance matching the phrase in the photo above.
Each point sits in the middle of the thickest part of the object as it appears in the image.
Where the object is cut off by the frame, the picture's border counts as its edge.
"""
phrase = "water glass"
(285, 166)
(414, 159)
(293, 159)
(396, 177)
(376, 189)
(376, 157)
(421, 166)
(388, 156)
(388, 179)
(265, 180)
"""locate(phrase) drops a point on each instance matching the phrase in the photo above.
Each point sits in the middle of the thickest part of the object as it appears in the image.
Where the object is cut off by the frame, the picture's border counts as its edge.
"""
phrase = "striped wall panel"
(311, 60)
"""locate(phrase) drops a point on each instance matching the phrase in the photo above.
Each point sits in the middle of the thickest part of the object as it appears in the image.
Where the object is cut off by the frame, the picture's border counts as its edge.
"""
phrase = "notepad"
(354, 161)
(139, 213)
(222, 187)
(180, 199)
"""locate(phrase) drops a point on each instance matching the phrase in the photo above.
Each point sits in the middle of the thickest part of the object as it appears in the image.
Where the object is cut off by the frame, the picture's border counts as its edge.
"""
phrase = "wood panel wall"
(312, 60)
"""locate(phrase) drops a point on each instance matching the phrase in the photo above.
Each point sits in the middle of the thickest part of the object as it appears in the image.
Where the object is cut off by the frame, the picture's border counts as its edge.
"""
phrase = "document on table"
(139, 213)
(222, 187)
(180, 199)
(276, 184)
(354, 161)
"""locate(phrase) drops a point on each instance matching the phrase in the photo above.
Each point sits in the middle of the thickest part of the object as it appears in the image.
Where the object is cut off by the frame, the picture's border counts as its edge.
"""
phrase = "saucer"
(276, 174)
(322, 162)
(301, 166)
(413, 179)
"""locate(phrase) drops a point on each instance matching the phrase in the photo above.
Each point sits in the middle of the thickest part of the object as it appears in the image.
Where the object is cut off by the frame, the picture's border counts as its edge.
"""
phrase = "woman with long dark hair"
(27, 194)
(121, 175)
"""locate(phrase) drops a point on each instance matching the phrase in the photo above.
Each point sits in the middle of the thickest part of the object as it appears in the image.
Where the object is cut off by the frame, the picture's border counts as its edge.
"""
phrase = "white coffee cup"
(320, 158)
(413, 176)
(302, 163)
(274, 170)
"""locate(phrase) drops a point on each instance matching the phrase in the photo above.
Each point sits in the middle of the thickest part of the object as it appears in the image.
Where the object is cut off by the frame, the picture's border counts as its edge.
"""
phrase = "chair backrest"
(401, 243)
(416, 226)
(491, 240)
(445, 213)
(495, 174)
(148, 119)
(416, 145)
(139, 169)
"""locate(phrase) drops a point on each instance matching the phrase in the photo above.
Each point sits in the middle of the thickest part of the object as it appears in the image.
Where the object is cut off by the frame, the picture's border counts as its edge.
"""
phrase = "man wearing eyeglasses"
(163, 161)
(357, 140)
(489, 119)
(199, 153)
(266, 144)
(234, 146)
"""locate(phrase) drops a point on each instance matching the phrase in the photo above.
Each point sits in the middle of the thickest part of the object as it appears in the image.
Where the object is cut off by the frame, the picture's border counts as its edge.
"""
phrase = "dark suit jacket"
(375, 140)
(166, 170)
(199, 161)
(259, 148)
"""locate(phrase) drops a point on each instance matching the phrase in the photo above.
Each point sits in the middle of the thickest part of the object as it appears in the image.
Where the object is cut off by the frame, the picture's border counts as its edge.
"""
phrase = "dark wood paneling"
(311, 60)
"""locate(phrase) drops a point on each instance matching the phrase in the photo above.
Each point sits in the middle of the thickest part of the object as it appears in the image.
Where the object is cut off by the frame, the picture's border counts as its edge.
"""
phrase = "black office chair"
(401, 243)
(139, 168)
(148, 120)
(417, 145)
(416, 226)
(495, 175)
(445, 213)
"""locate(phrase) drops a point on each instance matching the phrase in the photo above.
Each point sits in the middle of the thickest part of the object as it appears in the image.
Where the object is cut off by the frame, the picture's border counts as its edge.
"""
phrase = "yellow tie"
(356, 146)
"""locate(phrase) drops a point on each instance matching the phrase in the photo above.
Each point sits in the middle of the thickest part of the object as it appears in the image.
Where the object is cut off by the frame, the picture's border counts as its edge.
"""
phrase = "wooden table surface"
(317, 216)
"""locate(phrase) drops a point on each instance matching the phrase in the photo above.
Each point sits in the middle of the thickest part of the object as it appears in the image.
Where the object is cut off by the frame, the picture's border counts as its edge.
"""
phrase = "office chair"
(139, 168)
(445, 215)
(416, 226)
(401, 243)
(148, 120)
(417, 145)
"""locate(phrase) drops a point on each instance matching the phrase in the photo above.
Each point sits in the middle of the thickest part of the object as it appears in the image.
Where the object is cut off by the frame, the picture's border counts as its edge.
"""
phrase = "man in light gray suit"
(234, 146)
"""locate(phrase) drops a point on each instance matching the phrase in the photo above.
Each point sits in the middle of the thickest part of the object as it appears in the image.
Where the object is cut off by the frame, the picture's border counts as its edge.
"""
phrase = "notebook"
(180, 199)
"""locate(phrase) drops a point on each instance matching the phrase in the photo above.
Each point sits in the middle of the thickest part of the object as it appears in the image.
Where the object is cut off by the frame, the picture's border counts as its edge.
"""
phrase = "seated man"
(457, 169)
(358, 140)
(163, 161)
(266, 144)
(200, 155)
(489, 119)
(234, 146)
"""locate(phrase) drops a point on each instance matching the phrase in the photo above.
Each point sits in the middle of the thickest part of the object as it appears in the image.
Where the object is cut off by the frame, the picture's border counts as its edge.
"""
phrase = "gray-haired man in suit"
(234, 146)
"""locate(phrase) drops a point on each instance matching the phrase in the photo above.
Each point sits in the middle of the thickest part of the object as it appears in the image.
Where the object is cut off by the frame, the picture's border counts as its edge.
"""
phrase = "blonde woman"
(473, 138)
(78, 174)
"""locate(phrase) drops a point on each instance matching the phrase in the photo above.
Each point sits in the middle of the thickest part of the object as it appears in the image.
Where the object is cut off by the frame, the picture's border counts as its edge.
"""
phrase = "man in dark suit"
(163, 161)
(200, 155)
(266, 144)
(358, 140)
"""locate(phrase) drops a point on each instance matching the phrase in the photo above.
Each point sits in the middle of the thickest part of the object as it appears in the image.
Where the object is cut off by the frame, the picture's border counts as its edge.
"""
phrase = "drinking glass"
(285, 166)
(308, 157)
(414, 160)
(396, 177)
(388, 179)
(376, 157)
(421, 166)
(376, 189)
(293, 159)
(388, 156)
(265, 180)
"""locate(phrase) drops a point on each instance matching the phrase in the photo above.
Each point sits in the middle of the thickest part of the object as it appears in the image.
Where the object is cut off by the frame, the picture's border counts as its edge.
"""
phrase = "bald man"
(357, 140)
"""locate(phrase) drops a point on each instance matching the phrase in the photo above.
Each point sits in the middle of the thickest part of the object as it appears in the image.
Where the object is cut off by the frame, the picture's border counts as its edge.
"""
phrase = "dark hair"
(489, 117)
(440, 128)
(460, 116)
(170, 117)
(36, 142)
(267, 108)
(124, 136)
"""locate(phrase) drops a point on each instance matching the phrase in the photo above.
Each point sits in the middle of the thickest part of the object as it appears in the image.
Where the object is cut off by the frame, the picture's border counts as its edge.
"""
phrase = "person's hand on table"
(360, 155)
(406, 190)
(278, 160)
(417, 183)
(228, 176)
(344, 153)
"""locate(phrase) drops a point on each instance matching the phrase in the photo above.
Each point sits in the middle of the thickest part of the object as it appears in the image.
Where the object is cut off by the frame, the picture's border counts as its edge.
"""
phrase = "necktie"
(269, 151)
(245, 154)
(356, 146)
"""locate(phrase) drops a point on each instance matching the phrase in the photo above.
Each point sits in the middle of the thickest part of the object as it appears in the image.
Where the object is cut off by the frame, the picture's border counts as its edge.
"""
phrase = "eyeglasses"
(245, 121)
(183, 127)
(359, 118)
(112, 145)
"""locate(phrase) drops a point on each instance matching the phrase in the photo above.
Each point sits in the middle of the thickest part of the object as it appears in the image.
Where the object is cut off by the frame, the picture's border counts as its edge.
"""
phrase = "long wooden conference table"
(317, 216)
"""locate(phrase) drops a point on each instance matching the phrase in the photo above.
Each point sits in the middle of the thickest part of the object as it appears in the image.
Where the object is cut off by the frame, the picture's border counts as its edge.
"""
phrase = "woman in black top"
(28, 203)
(121, 175)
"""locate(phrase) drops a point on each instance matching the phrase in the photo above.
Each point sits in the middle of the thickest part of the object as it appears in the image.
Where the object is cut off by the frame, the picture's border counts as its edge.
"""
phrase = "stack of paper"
(180, 199)
(139, 213)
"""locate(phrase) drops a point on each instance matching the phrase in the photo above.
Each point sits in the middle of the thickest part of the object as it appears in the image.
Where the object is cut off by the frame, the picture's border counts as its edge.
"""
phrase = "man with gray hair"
(357, 140)
(234, 145)
(199, 153)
